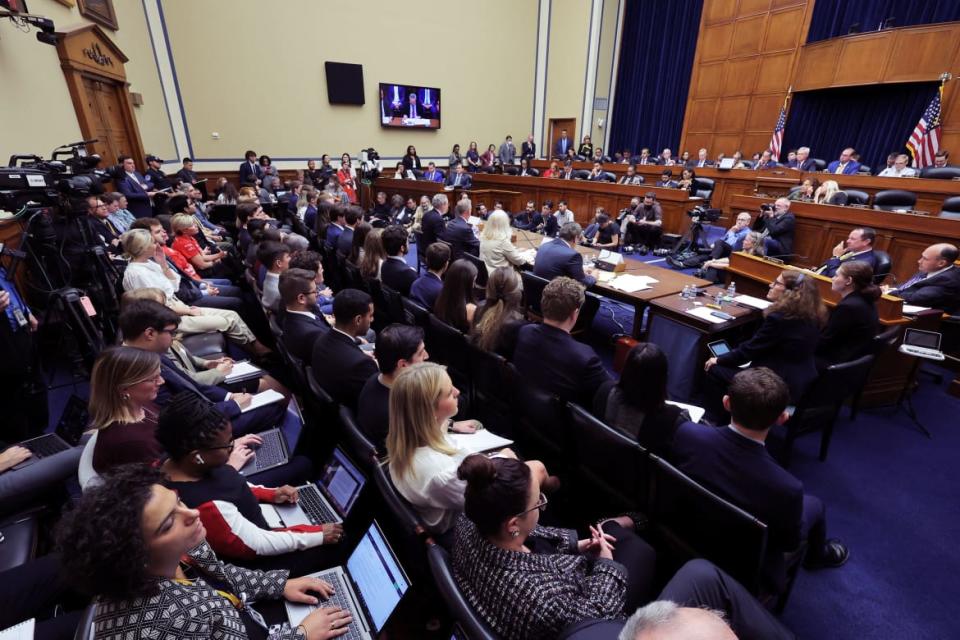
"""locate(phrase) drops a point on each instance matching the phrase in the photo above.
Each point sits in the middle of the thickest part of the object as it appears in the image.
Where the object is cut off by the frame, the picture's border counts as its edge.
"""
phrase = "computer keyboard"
(43, 447)
(341, 598)
(270, 453)
(313, 505)
(922, 352)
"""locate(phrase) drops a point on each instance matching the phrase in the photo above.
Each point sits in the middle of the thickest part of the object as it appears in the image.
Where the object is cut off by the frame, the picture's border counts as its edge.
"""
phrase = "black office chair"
(951, 208)
(581, 174)
(609, 177)
(703, 188)
(864, 170)
(511, 170)
(206, 345)
(893, 199)
(473, 625)
(881, 342)
(839, 199)
(747, 163)
(794, 190)
(481, 266)
(940, 173)
(492, 396)
(532, 292)
(447, 345)
(542, 424)
(820, 405)
(533, 172)
(85, 626)
(819, 165)
(381, 312)
(350, 276)
(394, 305)
(419, 315)
(884, 264)
(326, 408)
(295, 365)
(20, 539)
(611, 469)
(405, 529)
(855, 196)
(589, 310)
(421, 250)
(358, 445)
(275, 328)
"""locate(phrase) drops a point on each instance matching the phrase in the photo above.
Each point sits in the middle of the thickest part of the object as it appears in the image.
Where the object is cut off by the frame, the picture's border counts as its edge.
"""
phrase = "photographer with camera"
(644, 224)
(778, 228)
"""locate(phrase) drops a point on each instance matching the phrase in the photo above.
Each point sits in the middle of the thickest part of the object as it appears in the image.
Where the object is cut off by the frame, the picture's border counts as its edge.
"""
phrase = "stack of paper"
(243, 370)
(695, 412)
(705, 314)
(630, 283)
(263, 398)
(913, 309)
(750, 301)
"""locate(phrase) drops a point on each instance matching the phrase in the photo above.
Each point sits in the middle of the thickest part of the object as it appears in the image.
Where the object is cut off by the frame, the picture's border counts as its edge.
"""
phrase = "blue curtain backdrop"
(832, 18)
(656, 59)
(874, 120)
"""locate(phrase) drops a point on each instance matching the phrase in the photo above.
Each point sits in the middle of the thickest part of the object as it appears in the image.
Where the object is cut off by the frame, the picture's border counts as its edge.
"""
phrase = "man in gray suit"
(507, 152)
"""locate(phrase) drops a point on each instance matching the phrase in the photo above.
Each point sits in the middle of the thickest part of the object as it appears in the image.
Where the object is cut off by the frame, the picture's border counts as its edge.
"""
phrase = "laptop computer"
(922, 344)
(271, 453)
(370, 587)
(41, 447)
(329, 500)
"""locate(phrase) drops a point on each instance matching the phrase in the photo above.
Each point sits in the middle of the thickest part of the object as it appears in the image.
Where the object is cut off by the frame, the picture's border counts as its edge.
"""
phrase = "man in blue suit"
(459, 178)
(426, 289)
(846, 165)
(564, 143)
(432, 174)
(858, 246)
(301, 324)
(459, 233)
(351, 219)
(733, 462)
(550, 358)
(560, 258)
(136, 189)
(251, 173)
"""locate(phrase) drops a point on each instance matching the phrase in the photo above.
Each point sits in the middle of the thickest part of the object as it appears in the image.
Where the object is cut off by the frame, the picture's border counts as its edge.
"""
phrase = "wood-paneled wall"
(743, 66)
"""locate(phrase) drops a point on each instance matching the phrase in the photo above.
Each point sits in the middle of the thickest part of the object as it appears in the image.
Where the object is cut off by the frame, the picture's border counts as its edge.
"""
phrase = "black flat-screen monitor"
(409, 106)
(344, 83)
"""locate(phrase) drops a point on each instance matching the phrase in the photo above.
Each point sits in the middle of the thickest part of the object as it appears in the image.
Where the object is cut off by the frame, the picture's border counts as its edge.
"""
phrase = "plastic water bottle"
(718, 298)
(686, 291)
(732, 290)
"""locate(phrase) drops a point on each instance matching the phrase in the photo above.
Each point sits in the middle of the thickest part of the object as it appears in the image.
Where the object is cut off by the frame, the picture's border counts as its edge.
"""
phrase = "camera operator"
(644, 225)
(23, 390)
(136, 188)
(778, 228)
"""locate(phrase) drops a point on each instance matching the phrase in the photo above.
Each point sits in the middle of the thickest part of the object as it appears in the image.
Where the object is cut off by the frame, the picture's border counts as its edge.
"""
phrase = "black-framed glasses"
(223, 446)
(540, 506)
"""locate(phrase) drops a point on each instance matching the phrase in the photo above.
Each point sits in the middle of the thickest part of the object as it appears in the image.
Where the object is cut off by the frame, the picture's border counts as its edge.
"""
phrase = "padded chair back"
(703, 188)
(394, 305)
(448, 346)
(612, 468)
(473, 625)
(543, 423)
(855, 196)
(533, 172)
(205, 345)
(532, 291)
(893, 199)
(951, 208)
(86, 475)
(421, 250)
(591, 305)
(702, 524)
(85, 626)
(581, 174)
(492, 395)
(275, 327)
(819, 164)
(350, 276)
(482, 274)
(420, 315)
(885, 340)
(381, 314)
(356, 441)
(609, 177)
(512, 170)
(940, 173)
(794, 190)
(748, 163)
(401, 512)
(327, 408)
(839, 198)
(295, 364)
(884, 264)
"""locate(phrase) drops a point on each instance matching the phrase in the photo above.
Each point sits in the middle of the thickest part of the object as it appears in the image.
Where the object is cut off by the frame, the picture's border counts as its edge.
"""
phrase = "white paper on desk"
(704, 313)
(482, 440)
(21, 631)
(630, 283)
(262, 399)
(912, 309)
(695, 412)
(242, 370)
(750, 301)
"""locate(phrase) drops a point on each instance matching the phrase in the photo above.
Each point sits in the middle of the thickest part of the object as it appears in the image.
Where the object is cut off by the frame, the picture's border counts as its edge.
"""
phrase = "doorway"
(556, 126)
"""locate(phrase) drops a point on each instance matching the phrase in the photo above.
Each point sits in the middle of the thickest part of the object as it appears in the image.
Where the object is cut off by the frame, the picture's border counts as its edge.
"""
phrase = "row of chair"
(889, 200)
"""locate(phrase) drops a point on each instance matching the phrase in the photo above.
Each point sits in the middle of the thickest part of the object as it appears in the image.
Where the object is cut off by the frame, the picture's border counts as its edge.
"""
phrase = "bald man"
(846, 164)
(779, 224)
(937, 281)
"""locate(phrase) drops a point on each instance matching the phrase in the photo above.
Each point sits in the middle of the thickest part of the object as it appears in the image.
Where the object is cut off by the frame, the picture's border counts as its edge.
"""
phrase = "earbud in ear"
(198, 459)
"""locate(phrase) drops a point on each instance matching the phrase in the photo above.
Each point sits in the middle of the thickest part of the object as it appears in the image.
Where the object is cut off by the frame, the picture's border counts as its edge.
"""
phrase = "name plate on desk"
(610, 261)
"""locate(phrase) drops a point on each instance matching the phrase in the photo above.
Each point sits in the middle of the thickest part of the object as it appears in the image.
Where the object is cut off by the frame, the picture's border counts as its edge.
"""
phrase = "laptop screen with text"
(379, 581)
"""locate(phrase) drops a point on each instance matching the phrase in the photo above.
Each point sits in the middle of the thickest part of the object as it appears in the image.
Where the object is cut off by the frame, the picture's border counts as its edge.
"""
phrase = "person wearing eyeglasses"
(530, 581)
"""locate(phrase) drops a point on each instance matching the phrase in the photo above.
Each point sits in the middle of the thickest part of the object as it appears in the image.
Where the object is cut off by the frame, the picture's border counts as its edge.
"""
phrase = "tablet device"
(718, 348)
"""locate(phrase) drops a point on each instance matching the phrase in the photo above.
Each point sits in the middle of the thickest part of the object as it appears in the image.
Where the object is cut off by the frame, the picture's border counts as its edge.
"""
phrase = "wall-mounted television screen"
(409, 106)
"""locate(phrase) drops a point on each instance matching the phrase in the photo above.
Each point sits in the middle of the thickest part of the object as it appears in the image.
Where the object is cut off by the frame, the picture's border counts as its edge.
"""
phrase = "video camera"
(60, 183)
(700, 214)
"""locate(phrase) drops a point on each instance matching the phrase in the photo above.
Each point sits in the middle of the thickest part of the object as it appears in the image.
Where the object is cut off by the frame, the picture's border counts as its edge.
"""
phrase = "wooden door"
(556, 126)
(104, 101)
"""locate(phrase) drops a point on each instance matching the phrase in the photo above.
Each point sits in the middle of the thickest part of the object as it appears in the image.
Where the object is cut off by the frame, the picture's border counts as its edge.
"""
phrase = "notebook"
(262, 399)
(243, 370)
(329, 500)
(370, 586)
(479, 442)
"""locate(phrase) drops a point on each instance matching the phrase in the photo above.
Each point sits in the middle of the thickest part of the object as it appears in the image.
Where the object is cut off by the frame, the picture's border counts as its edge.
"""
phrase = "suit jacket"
(157, 179)
(550, 358)
(807, 165)
(507, 153)
(333, 236)
(176, 381)
(433, 176)
(770, 165)
(849, 332)
(785, 345)
(186, 175)
(634, 179)
(345, 242)
(340, 367)
(557, 258)
(250, 174)
(459, 235)
(695, 163)
(432, 226)
(528, 150)
(851, 168)
(829, 268)
(138, 202)
(300, 333)
(465, 180)
(397, 275)
(941, 291)
(560, 148)
(426, 289)
(781, 228)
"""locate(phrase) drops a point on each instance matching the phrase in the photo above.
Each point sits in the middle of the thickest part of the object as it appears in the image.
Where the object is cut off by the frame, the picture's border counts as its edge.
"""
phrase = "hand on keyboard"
(285, 494)
(332, 533)
(326, 622)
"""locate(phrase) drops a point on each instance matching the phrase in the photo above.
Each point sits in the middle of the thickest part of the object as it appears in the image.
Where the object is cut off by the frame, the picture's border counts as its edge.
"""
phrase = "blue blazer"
(551, 359)
(397, 275)
(465, 180)
(560, 148)
(852, 167)
(426, 289)
(333, 236)
(432, 226)
(557, 258)
(250, 175)
(433, 176)
(300, 333)
(459, 235)
(808, 165)
(137, 198)
(345, 242)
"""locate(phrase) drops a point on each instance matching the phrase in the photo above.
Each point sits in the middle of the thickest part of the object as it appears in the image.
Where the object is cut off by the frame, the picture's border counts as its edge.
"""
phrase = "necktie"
(912, 281)
(840, 167)
(456, 182)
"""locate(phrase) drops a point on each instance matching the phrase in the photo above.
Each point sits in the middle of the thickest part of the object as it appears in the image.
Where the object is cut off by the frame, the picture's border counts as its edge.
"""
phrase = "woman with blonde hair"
(423, 461)
(148, 268)
(499, 317)
(373, 255)
(496, 248)
(825, 192)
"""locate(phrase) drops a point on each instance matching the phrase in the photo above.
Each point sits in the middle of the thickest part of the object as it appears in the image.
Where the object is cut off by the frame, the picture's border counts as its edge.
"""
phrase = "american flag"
(777, 140)
(924, 142)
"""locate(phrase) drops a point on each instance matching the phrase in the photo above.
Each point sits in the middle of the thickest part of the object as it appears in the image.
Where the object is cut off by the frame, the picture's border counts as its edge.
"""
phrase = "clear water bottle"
(718, 297)
(686, 291)
(732, 290)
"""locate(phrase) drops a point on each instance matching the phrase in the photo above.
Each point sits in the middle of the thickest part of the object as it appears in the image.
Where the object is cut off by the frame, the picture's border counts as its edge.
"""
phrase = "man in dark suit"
(631, 177)
(458, 177)
(936, 284)
(733, 462)
(701, 161)
(187, 174)
(412, 108)
(846, 164)
(337, 224)
(150, 326)
(156, 178)
(560, 258)
(459, 233)
(433, 224)
(351, 218)
(549, 358)
(251, 173)
(432, 174)
(563, 143)
(426, 289)
(301, 324)
(135, 187)
(803, 161)
(395, 272)
(766, 161)
(645, 157)
(779, 224)
(567, 173)
(528, 150)
(340, 366)
(858, 246)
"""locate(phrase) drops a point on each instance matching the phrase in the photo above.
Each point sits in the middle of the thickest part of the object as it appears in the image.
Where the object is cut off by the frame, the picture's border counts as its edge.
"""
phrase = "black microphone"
(82, 143)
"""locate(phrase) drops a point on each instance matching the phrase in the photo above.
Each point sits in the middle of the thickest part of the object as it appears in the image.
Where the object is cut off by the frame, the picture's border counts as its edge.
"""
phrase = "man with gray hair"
(432, 224)
(559, 257)
(459, 233)
(899, 168)
(803, 161)
(664, 620)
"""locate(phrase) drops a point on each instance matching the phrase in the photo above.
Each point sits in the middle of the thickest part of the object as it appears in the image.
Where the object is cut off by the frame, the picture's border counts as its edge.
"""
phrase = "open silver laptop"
(922, 344)
(370, 587)
(329, 500)
(41, 447)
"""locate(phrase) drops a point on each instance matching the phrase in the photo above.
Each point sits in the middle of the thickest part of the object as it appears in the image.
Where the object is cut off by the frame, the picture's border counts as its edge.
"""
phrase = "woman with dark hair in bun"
(529, 581)
(854, 322)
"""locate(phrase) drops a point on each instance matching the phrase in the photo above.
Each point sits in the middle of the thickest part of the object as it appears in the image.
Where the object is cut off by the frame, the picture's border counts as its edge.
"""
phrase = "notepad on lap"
(695, 412)
(21, 631)
(243, 371)
(262, 399)
(480, 441)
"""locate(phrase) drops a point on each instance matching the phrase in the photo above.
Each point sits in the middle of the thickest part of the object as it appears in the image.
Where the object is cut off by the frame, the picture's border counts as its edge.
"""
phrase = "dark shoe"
(644, 251)
(834, 554)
